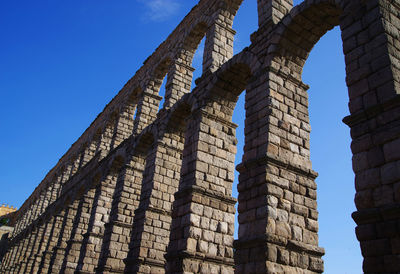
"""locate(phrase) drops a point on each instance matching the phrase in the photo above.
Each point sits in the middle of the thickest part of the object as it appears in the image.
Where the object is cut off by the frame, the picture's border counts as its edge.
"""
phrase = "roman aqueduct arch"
(152, 192)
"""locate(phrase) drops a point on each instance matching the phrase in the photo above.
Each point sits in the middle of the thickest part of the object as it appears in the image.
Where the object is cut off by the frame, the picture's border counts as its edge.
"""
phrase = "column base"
(274, 254)
(195, 262)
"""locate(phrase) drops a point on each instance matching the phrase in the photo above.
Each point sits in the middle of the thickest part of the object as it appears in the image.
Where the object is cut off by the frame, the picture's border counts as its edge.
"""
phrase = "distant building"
(4, 210)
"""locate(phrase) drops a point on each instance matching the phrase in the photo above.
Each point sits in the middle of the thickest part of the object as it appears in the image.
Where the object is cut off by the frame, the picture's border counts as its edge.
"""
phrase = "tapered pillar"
(115, 246)
(100, 207)
(203, 216)
(78, 229)
(40, 245)
(55, 240)
(34, 240)
(278, 218)
(22, 247)
(218, 46)
(152, 221)
(179, 82)
(148, 105)
(373, 79)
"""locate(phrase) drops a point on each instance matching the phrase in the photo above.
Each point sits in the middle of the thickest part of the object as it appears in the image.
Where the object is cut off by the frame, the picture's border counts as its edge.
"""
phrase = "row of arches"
(139, 101)
(178, 170)
(134, 185)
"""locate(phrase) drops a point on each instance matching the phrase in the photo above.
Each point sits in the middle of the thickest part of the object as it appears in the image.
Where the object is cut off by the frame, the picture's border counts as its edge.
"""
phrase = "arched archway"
(286, 234)
(203, 213)
(331, 155)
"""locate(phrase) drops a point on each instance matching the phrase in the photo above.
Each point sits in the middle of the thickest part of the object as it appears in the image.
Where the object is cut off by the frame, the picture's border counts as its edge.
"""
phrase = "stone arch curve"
(277, 193)
(371, 80)
(299, 31)
(207, 171)
(236, 72)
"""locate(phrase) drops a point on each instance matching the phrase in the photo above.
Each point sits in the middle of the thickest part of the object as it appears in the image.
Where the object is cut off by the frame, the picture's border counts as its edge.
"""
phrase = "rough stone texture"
(151, 192)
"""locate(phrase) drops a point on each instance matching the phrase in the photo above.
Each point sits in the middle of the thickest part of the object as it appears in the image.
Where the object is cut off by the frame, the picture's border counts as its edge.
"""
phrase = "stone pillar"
(61, 234)
(16, 226)
(272, 11)
(277, 194)
(27, 216)
(218, 46)
(30, 213)
(106, 140)
(40, 245)
(22, 247)
(125, 120)
(202, 229)
(52, 241)
(48, 194)
(75, 165)
(90, 150)
(179, 81)
(151, 225)
(99, 215)
(32, 248)
(124, 125)
(148, 106)
(370, 34)
(43, 203)
(127, 116)
(66, 173)
(36, 209)
(25, 262)
(20, 222)
(80, 227)
(117, 231)
(56, 188)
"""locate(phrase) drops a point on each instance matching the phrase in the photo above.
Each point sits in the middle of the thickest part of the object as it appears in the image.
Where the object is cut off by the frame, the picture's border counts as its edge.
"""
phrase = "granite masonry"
(145, 190)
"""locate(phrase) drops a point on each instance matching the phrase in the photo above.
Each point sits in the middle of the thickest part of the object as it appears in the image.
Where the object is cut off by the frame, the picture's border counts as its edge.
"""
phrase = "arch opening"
(299, 32)
(328, 104)
(207, 177)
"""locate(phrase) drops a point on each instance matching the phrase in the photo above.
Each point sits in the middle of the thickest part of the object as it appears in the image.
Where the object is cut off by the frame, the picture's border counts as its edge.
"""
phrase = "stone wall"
(151, 192)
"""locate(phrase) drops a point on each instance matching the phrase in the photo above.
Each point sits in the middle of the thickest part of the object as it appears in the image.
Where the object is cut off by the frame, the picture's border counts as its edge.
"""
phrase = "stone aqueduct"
(153, 194)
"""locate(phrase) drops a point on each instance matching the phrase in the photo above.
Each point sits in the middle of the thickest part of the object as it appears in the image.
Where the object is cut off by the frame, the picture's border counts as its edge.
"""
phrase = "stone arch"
(371, 81)
(94, 147)
(277, 197)
(140, 164)
(299, 31)
(128, 112)
(229, 82)
(156, 75)
(180, 72)
(91, 213)
(84, 157)
(75, 160)
(204, 208)
(109, 138)
(280, 220)
(159, 184)
(191, 42)
(176, 119)
(150, 99)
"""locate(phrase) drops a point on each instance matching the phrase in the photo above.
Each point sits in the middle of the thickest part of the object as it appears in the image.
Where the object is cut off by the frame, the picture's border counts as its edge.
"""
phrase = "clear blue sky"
(62, 61)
